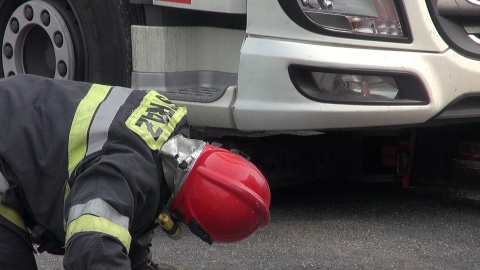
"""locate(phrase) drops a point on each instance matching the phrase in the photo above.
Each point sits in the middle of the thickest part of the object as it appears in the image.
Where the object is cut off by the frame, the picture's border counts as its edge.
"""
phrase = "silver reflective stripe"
(99, 208)
(98, 132)
(3, 183)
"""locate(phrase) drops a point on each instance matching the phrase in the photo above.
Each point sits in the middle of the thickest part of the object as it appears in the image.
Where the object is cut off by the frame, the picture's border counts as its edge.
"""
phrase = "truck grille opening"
(458, 22)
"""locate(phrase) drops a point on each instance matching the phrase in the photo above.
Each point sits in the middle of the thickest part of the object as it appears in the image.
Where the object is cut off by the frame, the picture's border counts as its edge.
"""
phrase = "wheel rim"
(38, 41)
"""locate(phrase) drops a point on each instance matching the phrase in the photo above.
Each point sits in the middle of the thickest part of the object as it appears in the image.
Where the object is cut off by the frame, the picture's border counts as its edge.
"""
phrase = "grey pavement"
(346, 226)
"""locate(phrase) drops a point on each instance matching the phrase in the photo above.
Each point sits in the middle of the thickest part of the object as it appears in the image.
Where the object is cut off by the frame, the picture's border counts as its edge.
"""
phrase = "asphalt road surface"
(348, 226)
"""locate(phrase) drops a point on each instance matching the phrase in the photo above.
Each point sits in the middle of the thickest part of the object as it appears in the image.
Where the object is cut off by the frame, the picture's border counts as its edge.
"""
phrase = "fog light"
(367, 87)
(356, 86)
(375, 17)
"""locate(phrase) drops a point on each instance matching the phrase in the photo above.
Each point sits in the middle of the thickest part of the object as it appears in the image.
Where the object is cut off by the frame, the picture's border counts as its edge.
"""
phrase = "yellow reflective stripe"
(65, 195)
(155, 119)
(99, 208)
(66, 192)
(12, 215)
(89, 223)
(77, 142)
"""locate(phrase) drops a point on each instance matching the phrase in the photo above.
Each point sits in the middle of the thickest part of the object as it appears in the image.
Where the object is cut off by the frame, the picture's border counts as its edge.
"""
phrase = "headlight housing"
(362, 18)
(377, 17)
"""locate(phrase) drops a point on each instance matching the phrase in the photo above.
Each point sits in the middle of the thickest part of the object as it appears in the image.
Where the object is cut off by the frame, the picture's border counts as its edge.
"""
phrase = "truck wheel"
(83, 40)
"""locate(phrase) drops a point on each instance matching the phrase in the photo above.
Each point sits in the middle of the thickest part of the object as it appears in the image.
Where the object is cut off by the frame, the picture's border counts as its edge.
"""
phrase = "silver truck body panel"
(265, 99)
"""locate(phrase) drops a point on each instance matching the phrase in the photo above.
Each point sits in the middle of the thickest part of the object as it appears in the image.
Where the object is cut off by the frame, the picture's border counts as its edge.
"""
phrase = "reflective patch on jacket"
(155, 119)
(11, 215)
(3, 184)
(92, 120)
(7, 212)
(93, 117)
(98, 216)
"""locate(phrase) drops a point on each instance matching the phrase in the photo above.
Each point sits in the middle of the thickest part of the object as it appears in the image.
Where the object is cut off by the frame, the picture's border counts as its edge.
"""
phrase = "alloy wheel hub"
(37, 41)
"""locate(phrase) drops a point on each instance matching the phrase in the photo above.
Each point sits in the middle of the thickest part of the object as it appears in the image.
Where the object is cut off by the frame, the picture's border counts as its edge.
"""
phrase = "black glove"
(46, 241)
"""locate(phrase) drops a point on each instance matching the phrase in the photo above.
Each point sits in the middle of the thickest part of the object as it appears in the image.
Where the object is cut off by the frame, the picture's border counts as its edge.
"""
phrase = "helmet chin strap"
(197, 230)
(170, 224)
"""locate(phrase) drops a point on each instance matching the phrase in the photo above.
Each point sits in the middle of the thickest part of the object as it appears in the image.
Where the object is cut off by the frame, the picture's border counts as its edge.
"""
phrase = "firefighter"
(88, 171)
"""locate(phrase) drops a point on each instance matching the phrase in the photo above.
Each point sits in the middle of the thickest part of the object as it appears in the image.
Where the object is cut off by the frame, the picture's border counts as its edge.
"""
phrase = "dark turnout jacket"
(81, 164)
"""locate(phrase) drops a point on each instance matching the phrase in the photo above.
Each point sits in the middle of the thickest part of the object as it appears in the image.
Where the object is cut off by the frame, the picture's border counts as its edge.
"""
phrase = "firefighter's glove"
(46, 241)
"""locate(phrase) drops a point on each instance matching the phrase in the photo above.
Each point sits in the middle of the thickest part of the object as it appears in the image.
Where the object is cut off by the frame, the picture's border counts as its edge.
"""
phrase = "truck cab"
(252, 67)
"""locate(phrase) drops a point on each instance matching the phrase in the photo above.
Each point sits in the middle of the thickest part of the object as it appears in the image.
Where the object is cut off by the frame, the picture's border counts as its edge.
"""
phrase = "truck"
(306, 88)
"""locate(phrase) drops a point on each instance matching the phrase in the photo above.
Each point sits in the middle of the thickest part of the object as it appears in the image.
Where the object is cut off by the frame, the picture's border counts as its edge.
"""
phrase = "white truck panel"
(267, 18)
(217, 114)
(176, 49)
(268, 99)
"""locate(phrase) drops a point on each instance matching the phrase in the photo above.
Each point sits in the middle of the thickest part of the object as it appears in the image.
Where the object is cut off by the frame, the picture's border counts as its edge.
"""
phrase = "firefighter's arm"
(98, 212)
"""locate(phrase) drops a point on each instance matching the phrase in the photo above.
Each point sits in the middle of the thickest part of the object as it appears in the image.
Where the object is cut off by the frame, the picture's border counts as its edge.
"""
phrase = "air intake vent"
(458, 22)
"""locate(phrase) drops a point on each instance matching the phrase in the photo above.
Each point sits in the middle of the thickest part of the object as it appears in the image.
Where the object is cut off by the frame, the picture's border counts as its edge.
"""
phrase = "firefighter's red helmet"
(225, 198)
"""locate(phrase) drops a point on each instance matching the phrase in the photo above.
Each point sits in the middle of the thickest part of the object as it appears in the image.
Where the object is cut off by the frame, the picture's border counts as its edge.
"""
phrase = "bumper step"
(192, 86)
(196, 94)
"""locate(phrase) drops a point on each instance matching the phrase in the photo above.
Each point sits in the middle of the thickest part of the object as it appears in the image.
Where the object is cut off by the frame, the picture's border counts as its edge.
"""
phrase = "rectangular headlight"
(376, 17)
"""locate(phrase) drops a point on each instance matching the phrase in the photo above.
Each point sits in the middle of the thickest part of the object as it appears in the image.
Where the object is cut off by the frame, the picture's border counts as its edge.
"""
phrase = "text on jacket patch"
(155, 119)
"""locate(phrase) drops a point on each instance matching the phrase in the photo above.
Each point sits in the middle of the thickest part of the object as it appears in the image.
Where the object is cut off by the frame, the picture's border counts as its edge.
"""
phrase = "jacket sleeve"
(98, 211)
(92, 250)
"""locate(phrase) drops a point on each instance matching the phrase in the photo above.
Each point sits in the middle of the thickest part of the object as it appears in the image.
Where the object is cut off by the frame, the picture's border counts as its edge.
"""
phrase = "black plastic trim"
(141, 2)
(294, 12)
(467, 104)
(410, 86)
(452, 29)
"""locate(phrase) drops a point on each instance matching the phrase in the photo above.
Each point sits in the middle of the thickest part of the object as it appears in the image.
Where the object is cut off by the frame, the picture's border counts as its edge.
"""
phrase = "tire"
(95, 39)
